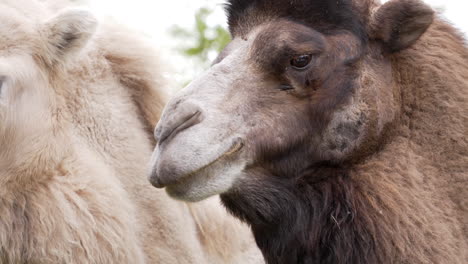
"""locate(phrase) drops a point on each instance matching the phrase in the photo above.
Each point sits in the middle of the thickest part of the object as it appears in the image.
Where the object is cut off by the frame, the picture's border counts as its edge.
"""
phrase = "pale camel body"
(77, 109)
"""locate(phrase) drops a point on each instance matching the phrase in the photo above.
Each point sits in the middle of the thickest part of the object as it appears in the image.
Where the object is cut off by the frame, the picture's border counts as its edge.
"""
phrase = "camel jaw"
(215, 176)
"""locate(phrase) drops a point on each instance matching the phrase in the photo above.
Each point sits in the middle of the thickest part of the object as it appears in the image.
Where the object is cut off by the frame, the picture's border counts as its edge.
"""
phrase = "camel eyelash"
(286, 87)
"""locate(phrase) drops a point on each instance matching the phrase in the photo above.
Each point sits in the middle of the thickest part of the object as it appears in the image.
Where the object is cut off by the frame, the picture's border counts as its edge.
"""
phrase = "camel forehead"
(271, 42)
(276, 42)
(29, 9)
(323, 15)
(16, 36)
(19, 25)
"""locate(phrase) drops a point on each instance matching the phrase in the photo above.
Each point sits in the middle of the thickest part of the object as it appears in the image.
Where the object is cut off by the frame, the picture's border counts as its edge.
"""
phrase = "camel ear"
(68, 32)
(400, 23)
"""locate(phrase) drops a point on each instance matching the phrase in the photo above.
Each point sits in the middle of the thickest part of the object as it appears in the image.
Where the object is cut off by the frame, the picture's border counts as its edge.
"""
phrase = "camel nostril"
(176, 124)
(156, 182)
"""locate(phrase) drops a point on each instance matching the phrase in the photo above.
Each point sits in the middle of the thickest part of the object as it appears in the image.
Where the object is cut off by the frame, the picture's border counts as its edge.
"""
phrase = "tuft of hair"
(323, 15)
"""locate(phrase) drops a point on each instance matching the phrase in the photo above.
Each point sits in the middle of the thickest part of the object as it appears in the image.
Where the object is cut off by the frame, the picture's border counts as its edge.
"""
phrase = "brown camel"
(336, 128)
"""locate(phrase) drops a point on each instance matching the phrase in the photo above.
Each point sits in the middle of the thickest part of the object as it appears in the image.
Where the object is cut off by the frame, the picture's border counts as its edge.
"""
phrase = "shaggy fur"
(77, 109)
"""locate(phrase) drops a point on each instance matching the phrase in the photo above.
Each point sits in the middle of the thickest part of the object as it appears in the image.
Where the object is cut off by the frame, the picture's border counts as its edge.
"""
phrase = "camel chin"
(215, 179)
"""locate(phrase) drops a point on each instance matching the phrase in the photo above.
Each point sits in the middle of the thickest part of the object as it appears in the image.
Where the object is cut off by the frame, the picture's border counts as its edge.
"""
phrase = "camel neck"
(299, 221)
(434, 94)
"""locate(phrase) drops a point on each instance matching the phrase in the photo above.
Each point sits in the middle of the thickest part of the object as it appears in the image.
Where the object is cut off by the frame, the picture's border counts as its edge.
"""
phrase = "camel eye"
(301, 62)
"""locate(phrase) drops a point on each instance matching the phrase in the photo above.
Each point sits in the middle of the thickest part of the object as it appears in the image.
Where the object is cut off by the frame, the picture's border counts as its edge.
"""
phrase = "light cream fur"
(77, 105)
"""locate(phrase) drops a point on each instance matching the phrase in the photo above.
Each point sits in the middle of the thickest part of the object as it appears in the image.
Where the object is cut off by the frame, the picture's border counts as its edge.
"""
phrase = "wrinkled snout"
(183, 117)
(200, 137)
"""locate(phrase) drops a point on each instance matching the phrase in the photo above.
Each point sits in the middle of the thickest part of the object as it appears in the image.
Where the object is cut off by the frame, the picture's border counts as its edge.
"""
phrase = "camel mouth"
(236, 146)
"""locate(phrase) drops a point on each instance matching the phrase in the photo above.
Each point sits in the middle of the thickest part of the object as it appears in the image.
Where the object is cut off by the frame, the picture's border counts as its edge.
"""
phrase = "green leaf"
(203, 39)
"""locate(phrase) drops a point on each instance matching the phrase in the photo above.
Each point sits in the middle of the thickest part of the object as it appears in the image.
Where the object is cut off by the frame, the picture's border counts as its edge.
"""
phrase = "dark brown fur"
(324, 15)
(299, 221)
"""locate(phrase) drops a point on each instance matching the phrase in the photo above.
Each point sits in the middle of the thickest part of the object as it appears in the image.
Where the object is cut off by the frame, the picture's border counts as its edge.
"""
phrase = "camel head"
(302, 84)
(33, 51)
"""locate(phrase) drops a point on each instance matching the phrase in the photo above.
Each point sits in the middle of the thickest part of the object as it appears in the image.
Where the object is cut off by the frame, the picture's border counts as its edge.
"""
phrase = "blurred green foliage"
(204, 39)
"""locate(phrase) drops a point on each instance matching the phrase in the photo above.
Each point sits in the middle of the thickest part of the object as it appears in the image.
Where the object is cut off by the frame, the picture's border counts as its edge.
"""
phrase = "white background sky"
(156, 17)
